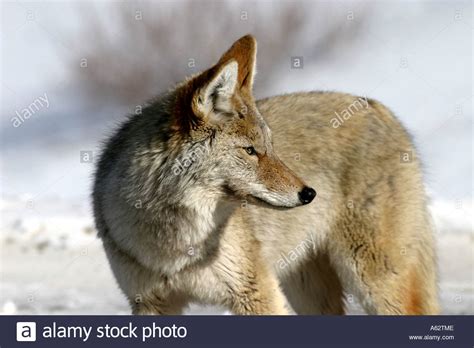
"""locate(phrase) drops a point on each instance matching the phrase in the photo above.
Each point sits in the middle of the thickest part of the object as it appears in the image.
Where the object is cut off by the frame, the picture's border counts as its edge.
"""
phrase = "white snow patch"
(452, 216)
(45, 223)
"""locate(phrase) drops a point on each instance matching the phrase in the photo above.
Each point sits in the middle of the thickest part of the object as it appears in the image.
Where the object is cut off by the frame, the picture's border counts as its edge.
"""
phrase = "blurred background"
(71, 71)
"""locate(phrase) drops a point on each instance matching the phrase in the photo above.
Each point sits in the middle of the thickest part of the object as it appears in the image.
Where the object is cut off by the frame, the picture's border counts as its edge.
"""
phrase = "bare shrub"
(135, 50)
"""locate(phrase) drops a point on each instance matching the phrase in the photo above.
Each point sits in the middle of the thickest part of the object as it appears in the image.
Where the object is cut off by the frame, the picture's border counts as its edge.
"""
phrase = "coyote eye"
(250, 150)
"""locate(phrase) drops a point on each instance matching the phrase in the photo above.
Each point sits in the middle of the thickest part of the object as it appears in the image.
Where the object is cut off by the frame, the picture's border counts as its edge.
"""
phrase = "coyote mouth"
(235, 196)
(263, 203)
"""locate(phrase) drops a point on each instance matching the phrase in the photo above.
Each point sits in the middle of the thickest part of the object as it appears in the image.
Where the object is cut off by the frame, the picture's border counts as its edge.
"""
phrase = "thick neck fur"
(165, 181)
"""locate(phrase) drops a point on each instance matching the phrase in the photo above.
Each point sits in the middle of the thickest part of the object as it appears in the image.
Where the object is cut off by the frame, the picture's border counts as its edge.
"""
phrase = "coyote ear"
(216, 93)
(244, 52)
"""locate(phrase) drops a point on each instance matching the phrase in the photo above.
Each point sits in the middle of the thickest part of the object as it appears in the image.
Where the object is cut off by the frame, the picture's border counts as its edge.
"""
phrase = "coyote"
(194, 200)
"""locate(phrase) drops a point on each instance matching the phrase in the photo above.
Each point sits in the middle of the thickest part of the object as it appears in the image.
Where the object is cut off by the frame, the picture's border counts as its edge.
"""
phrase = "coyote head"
(231, 152)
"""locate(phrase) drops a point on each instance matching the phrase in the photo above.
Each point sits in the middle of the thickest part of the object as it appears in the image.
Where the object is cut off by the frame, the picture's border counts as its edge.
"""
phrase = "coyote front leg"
(252, 289)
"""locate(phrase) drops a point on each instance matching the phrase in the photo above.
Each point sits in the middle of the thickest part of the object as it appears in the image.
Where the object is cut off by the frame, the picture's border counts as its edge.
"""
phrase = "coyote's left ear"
(244, 52)
(210, 93)
(215, 95)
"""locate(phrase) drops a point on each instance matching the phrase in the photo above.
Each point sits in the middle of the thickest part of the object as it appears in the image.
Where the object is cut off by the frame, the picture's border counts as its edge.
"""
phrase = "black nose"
(307, 195)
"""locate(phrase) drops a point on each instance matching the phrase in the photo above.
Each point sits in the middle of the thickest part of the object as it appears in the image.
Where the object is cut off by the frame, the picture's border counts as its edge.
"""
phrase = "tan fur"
(227, 225)
(370, 216)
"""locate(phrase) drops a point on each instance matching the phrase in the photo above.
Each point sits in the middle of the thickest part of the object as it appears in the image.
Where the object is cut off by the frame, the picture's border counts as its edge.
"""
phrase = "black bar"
(235, 331)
